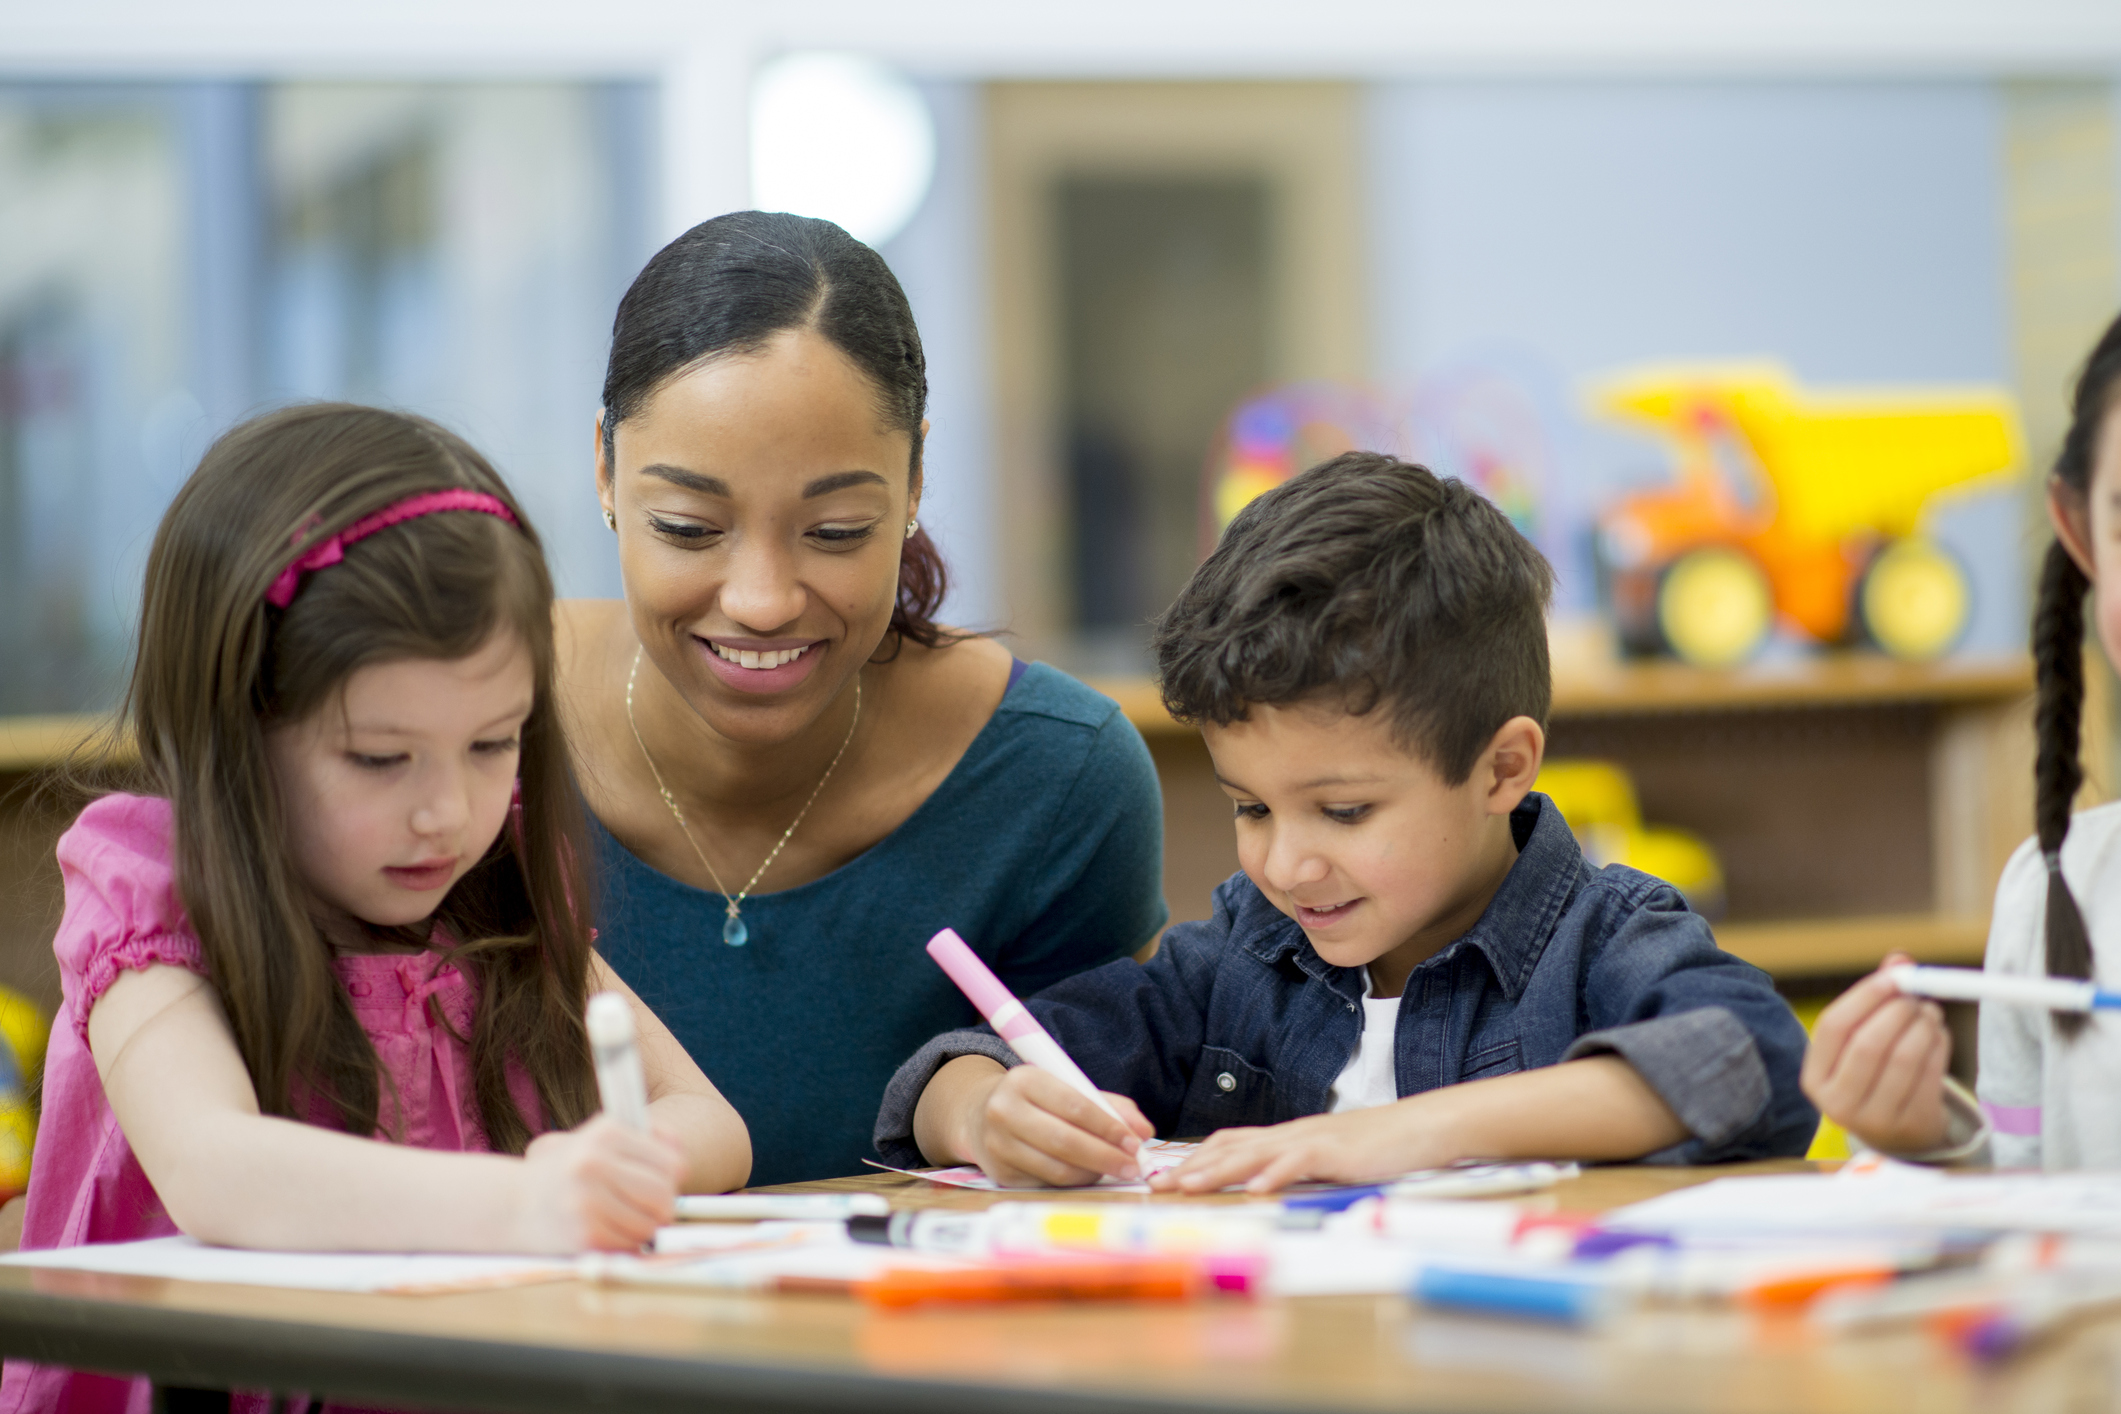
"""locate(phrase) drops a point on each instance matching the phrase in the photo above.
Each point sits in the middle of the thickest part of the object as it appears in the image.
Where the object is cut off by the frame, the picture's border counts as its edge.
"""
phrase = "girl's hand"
(599, 1185)
(1876, 1065)
(1027, 1129)
(1354, 1147)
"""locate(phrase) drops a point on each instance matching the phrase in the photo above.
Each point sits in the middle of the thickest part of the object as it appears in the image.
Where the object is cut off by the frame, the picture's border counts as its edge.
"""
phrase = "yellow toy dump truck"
(1597, 799)
(1807, 505)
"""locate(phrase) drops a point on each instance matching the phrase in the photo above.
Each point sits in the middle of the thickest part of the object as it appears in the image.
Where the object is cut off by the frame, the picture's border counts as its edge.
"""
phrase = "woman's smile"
(761, 665)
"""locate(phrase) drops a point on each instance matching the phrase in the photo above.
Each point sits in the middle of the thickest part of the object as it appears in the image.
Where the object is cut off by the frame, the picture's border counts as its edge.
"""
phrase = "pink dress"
(85, 1185)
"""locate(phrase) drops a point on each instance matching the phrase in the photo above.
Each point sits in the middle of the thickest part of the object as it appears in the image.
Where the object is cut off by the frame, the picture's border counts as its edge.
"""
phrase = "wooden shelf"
(1842, 947)
(35, 743)
(1645, 688)
(1831, 680)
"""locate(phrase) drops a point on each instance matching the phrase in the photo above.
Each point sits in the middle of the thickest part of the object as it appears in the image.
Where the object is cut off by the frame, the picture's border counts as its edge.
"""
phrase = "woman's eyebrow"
(826, 485)
(690, 480)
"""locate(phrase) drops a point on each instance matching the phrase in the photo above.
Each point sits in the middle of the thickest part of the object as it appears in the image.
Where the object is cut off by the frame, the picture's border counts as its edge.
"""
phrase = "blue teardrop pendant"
(734, 932)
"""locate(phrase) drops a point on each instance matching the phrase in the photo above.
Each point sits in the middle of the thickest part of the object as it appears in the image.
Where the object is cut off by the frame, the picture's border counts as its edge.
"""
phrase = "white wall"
(940, 258)
(704, 50)
(1850, 228)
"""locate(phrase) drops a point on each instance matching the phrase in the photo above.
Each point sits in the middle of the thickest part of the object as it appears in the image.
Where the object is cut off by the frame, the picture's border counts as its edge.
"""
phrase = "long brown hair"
(2058, 658)
(218, 667)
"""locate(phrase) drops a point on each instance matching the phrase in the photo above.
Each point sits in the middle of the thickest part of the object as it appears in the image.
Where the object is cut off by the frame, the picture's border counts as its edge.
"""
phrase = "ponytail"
(2058, 655)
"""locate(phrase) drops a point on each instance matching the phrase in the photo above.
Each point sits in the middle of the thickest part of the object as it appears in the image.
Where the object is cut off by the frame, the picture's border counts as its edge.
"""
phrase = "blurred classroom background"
(1126, 230)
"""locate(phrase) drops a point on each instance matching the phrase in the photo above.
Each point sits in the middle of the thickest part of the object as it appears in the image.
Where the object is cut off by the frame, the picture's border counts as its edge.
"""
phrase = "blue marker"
(1970, 984)
(1332, 1200)
(1557, 1298)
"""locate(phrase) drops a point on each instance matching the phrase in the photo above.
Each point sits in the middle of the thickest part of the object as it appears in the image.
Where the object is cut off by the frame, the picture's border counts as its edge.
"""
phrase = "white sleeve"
(2013, 1038)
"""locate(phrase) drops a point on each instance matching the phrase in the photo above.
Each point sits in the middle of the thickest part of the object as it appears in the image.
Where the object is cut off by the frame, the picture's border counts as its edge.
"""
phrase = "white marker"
(1969, 984)
(754, 1207)
(620, 1083)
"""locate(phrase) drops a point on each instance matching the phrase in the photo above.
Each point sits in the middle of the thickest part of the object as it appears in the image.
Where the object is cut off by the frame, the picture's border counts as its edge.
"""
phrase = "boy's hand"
(1354, 1147)
(1876, 1065)
(600, 1185)
(1027, 1129)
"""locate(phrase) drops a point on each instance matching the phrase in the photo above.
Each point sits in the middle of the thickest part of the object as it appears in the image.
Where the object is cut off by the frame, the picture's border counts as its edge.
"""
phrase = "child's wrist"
(967, 1132)
(518, 1225)
(1437, 1128)
(945, 1118)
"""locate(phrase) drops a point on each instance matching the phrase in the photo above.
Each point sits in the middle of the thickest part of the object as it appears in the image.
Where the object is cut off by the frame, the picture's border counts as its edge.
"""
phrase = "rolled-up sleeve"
(1702, 1063)
(894, 1119)
(1707, 1031)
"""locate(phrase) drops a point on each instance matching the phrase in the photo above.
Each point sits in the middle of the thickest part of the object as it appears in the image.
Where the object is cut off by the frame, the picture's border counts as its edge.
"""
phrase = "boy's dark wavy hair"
(1369, 581)
(2058, 659)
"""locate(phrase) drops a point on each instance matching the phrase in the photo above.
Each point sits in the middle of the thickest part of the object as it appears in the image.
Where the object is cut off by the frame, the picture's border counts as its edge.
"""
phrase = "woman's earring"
(611, 519)
(911, 526)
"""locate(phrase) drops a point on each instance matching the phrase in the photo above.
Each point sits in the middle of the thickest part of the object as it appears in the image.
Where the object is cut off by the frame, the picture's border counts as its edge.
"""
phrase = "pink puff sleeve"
(122, 910)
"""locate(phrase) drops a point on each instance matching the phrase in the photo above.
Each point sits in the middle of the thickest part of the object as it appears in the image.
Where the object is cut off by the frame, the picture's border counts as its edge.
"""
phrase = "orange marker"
(1070, 1279)
(1794, 1290)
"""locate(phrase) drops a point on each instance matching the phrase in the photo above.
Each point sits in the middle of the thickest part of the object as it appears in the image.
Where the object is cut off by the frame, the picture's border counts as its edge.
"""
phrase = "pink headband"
(332, 549)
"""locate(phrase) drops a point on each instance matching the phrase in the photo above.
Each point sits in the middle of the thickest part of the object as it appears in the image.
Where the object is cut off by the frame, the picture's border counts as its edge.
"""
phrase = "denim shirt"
(1238, 1021)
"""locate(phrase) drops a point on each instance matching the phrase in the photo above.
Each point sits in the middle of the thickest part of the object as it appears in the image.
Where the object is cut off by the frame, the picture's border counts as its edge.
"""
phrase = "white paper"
(1154, 1156)
(1884, 1195)
(183, 1259)
(1336, 1264)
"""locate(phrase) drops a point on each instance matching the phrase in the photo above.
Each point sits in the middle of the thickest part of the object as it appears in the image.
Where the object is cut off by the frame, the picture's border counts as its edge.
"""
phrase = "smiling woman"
(796, 774)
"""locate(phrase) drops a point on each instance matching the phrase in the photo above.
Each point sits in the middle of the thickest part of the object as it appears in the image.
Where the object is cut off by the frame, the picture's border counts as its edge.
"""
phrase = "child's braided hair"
(2058, 655)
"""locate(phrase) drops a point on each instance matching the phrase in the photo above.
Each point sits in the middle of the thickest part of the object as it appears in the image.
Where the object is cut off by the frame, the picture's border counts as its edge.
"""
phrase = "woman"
(797, 776)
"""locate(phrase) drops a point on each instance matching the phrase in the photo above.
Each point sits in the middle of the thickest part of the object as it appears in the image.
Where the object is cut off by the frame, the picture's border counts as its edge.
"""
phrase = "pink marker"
(1008, 1017)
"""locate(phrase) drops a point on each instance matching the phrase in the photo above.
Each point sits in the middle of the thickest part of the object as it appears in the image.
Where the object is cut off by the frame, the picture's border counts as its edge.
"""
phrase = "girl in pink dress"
(324, 973)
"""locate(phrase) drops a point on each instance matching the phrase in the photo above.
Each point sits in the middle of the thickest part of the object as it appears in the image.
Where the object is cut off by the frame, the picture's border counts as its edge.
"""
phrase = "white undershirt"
(1372, 1074)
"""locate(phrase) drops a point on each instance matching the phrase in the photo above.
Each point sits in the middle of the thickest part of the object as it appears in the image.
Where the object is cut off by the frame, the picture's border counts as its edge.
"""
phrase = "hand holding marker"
(1013, 1023)
(1968, 984)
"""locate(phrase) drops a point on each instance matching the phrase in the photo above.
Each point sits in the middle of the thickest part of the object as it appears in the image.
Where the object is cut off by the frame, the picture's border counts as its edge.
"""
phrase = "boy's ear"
(1511, 763)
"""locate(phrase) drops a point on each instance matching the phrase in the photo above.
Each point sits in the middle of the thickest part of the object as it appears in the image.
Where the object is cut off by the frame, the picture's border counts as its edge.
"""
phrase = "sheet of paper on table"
(183, 1259)
(1874, 1194)
(1155, 1156)
(726, 1255)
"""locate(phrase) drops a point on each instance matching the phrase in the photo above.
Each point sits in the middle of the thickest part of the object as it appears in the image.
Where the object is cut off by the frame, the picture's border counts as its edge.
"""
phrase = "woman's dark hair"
(1373, 582)
(2058, 657)
(727, 286)
(219, 667)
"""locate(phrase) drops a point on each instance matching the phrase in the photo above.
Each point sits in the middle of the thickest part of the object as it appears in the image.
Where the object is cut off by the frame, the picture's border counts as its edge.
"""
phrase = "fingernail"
(1129, 1171)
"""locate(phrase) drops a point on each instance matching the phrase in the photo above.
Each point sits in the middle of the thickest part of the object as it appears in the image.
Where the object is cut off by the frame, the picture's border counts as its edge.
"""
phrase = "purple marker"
(1009, 1018)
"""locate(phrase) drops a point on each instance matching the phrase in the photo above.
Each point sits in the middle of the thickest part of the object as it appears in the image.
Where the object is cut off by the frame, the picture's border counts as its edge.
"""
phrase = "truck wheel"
(1913, 601)
(1714, 607)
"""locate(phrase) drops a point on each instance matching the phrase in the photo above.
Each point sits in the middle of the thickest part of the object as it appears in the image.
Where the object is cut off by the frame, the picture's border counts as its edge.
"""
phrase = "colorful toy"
(1481, 423)
(1801, 505)
(1597, 798)
(23, 1034)
(1272, 436)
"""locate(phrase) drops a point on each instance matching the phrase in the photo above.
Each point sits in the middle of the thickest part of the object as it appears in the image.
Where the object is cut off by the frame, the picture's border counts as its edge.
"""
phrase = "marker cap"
(610, 1020)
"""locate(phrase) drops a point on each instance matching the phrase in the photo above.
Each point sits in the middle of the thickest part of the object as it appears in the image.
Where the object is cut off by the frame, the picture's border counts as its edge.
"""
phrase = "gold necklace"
(734, 932)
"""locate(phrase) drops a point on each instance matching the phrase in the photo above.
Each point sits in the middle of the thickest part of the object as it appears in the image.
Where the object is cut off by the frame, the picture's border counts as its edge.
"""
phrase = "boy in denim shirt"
(1416, 965)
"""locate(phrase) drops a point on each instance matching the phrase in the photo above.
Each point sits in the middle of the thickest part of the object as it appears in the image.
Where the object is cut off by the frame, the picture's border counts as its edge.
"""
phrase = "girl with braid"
(2050, 1087)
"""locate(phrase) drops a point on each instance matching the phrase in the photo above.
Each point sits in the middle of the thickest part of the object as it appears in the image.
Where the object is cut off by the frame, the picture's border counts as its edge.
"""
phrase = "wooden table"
(569, 1346)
